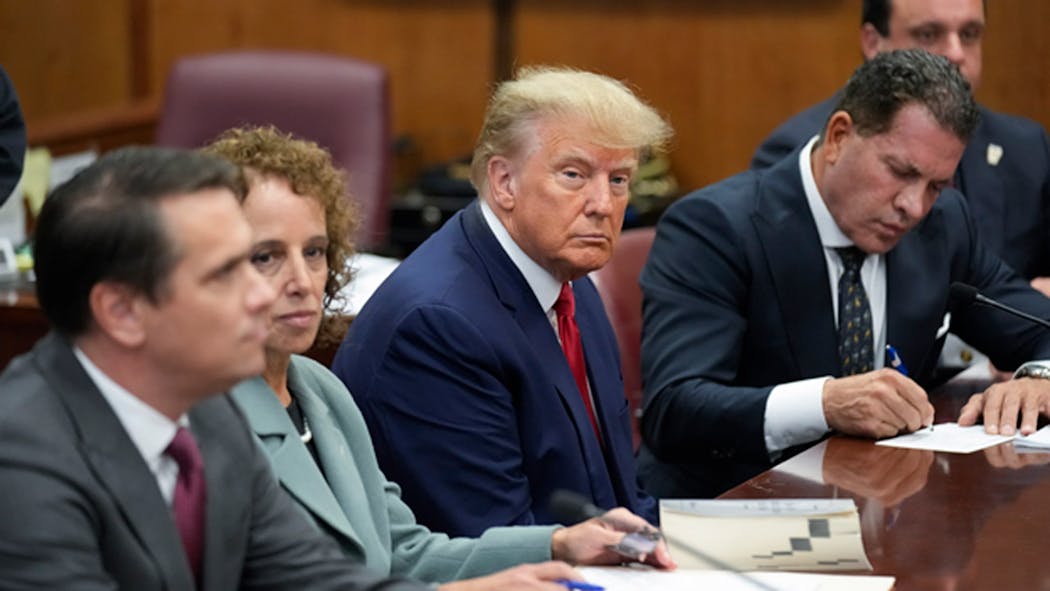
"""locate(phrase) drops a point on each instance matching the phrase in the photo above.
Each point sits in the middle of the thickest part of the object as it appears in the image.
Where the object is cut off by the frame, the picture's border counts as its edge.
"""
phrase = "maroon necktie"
(188, 502)
(569, 333)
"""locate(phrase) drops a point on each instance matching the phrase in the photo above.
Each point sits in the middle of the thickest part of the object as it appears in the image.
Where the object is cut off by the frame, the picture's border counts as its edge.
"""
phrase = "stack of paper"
(782, 534)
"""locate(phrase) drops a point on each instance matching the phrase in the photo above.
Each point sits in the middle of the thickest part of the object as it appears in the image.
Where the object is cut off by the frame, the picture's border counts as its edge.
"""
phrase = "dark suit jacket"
(1010, 200)
(12, 137)
(736, 300)
(81, 509)
(469, 398)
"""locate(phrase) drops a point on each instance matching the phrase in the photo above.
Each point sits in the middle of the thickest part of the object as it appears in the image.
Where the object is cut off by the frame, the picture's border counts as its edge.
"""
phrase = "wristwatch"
(1034, 369)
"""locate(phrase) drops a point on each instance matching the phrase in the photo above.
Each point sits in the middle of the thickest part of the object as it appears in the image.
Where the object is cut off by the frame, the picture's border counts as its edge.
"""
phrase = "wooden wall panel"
(728, 71)
(437, 53)
(725, 71)
(65, 56)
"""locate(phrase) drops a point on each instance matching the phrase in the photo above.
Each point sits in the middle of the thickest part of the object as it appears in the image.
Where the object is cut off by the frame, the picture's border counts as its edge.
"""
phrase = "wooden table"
(933, 520)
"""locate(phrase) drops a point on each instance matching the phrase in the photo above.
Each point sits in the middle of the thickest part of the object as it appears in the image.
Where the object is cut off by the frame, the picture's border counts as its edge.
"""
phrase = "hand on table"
(526, 577)
(588, 542)
(1002, 404)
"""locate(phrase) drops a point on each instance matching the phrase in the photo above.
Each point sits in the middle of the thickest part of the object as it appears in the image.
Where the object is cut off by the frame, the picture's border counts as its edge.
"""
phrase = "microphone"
(571, 507)
(968, 294)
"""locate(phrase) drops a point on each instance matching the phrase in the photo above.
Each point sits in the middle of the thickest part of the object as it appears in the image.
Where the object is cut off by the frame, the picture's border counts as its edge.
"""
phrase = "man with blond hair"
(485, 365)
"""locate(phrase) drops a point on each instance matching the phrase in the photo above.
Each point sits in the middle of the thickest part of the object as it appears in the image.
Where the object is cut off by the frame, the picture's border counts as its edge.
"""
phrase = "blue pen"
(579, 585)
(898, 364)
(895, 360)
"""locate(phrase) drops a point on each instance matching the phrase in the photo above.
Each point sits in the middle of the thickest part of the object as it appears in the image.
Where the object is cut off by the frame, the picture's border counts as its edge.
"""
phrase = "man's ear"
(117, 310)
(838, 131)
(870, 41)
(502, 181)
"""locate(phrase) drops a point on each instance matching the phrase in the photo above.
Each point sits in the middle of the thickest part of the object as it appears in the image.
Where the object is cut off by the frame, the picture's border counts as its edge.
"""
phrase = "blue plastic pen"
(579, 585)
(895, 360)
(898, 364)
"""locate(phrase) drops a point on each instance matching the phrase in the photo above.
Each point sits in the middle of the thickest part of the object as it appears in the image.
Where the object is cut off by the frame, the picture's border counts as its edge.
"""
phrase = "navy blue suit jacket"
(12, 137)
(736, 300)
(468, 396)
(1009, 200)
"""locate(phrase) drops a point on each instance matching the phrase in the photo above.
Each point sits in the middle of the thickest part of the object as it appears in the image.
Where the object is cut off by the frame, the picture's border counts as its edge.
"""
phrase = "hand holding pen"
(893, 359)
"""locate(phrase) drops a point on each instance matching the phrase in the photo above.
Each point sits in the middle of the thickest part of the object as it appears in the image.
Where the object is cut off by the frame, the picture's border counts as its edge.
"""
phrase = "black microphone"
(570, 507)
(968, 294)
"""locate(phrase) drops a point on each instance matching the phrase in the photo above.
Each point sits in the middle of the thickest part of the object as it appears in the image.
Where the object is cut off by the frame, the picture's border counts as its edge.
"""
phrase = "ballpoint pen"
(898, 364)
(579, 585)
(895, 360)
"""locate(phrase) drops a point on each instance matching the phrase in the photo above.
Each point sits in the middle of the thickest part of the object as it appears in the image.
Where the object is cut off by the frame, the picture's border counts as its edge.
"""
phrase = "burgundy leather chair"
(341, 103)
(617, 283)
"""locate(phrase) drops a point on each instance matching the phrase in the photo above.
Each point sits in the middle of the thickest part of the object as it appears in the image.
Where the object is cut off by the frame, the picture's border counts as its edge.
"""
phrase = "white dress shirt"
(544, 286)
(149, 430)
(795, 411)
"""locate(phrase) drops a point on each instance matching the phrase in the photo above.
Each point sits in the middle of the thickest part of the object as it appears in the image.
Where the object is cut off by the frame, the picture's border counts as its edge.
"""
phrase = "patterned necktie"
(855, 336)
(188, 502)
(569, 333)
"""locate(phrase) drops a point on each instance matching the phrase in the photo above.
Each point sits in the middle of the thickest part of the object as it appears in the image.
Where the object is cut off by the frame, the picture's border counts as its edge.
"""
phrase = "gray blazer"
(352, 501)
(82, 510)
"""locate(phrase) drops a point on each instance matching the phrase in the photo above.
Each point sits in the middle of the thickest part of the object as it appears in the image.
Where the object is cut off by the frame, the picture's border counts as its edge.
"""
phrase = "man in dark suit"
(1004, 172)
(467, 362)
(120, 468)
(12, 137)
(770, 297)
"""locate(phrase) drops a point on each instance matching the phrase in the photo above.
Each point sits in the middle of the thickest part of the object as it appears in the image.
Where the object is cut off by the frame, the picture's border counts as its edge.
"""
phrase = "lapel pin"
(995, 154)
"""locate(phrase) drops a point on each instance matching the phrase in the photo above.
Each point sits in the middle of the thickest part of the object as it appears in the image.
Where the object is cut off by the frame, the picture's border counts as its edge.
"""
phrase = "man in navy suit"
(769, 298)
(480, 405)
(1004, 172)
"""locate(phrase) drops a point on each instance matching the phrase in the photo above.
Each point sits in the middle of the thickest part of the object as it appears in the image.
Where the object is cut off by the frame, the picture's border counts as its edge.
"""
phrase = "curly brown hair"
(309, 170)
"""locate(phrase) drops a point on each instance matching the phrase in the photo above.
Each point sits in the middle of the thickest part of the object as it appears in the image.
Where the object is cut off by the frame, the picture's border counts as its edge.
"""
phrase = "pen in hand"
(895, 361)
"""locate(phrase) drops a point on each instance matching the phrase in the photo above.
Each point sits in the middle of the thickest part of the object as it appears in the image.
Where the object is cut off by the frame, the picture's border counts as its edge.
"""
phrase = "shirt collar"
(543, 285)
(831, 236)
(149, 430)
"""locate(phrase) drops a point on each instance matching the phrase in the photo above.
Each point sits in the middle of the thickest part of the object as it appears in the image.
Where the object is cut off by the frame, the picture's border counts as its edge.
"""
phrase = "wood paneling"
(437, 53)
(65, 56)
(724, 71)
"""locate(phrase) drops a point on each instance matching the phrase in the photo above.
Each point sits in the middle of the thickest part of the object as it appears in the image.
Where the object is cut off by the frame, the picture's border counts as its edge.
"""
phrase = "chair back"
(341, 103)
(617, 283)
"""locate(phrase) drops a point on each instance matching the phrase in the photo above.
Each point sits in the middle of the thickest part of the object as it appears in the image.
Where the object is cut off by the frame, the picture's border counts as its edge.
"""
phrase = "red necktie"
(188, 502)
(569, 333)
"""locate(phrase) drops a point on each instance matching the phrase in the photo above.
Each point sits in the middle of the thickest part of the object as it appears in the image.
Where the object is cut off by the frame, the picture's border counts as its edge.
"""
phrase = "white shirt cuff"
(795, 414)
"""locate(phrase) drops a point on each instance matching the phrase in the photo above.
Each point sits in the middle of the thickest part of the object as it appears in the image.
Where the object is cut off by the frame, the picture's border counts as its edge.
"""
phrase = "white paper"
(764, 534)
(635, 579)
(949, 437)
(1038, 440)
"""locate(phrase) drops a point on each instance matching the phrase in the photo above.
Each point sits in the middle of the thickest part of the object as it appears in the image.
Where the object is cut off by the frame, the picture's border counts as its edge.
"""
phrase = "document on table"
(950, 437)
(635, 579)
(764, 534)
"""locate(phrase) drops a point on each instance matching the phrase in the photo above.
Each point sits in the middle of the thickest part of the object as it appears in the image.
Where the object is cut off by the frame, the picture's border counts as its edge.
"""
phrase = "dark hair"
(105, 225)
(309, 170)
(877, 12)
(885, 84)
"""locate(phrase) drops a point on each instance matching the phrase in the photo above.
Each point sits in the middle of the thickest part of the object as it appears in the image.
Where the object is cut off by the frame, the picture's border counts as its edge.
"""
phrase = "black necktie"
(855, 336)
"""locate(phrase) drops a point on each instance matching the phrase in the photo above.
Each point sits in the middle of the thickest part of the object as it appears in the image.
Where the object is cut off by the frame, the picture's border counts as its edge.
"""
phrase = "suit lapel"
(918, 258)
(291, 460)
(976, 176)
(789, 240)
(115, 461)
(516, 295)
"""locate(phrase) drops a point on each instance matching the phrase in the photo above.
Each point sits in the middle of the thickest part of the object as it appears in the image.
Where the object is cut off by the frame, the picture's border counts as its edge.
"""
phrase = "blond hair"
(617, 118)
